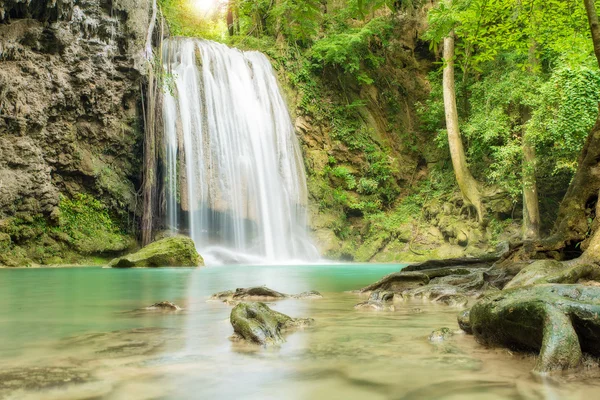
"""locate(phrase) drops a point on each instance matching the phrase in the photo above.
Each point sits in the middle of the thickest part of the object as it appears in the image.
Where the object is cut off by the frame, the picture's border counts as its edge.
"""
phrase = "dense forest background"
(365, 82)
(394, 173)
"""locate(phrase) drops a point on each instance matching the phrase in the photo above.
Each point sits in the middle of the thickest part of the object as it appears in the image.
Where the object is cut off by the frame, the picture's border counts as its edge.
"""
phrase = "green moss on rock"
(560, 321)
(257, 323)
(178, 251)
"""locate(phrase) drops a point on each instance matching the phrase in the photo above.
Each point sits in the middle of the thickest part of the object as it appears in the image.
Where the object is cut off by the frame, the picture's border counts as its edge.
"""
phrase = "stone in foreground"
(257, 323)
(560, 321)
(178, 251)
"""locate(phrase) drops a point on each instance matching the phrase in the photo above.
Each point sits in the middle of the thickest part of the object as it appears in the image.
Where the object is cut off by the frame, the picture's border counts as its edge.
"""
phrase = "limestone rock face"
(176, 251)
(69, 105)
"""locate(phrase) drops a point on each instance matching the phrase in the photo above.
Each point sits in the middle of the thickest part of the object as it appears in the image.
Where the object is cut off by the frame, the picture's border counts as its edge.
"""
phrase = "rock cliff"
(70, 127)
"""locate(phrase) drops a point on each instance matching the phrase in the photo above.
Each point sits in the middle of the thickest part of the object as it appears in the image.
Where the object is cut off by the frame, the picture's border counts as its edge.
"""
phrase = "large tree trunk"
(579, 204)
(590, 8)
(467, 184)
(576, 225)
(531, 207)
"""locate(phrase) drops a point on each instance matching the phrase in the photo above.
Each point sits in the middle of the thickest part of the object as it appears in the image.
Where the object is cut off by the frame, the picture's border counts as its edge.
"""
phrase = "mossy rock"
(560, 321)
(536, 272)
(257, 323)
(176, 251)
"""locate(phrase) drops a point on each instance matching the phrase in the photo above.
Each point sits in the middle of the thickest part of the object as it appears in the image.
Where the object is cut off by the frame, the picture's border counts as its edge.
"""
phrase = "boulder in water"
(560, 321)
(257, 323)
(378, 301)
(178, 251)
(260, 293)
(164, 306)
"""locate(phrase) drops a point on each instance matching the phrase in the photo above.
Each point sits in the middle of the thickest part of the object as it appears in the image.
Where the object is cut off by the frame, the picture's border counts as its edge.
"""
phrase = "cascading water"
(234, 173)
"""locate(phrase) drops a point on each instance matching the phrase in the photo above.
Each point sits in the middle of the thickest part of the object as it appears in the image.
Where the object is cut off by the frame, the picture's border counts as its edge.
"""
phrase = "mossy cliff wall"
(70, 127)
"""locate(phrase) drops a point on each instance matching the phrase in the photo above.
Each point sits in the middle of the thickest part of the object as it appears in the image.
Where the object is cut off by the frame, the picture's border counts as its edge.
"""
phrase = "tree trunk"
(579, 207)
(467, 184)
(230, 22)
(590, 8)
(531, 207)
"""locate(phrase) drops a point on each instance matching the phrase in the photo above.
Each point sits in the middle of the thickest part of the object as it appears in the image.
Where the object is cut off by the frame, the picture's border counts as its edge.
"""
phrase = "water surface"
(79, 333)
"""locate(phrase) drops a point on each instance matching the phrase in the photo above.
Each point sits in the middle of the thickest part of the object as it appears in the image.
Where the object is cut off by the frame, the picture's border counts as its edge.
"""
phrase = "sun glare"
(205, 6)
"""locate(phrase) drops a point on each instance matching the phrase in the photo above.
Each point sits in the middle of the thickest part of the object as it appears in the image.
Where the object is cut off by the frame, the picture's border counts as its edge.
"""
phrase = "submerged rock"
(463, 321)
(560, 321)
(440, 335)
(165, 306)
(378, 301)
(41, 378)
(176, 251)
(260, 293)
(257, 323)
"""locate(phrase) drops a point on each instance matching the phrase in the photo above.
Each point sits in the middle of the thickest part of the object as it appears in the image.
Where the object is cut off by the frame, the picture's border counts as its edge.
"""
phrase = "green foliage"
(352, 50)
(89, 226)
(299, 19)
(568, 107)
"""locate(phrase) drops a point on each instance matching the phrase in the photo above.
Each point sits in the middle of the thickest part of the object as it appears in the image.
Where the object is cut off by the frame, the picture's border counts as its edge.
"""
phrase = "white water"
(235, 178)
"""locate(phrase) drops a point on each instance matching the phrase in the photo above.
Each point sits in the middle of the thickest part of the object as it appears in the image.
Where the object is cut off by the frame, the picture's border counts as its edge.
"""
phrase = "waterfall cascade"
(234, 173)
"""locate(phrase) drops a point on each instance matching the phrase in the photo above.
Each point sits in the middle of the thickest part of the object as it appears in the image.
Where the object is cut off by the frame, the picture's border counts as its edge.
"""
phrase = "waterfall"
(235, 179)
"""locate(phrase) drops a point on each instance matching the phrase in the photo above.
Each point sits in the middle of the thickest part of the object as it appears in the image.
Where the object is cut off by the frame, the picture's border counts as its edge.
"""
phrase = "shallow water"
(76, 334)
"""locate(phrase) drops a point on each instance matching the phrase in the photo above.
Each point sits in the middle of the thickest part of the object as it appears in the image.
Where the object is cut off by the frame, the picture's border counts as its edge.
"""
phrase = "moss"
(89, 226)
(257, 323)
(84, 228)
(557, 320)
(175, 251)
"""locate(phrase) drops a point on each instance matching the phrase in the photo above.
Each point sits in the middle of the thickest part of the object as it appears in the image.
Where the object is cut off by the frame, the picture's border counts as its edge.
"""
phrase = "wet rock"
(551, 271)
(311, 294)
(257, 323)
(430, 292)
(453, 300)
(260, 293)
(398, 282)
(164, 306)
(481, 262)
(440, 335)
(378, 301)
(536, 272)
(463, 321)
(560, 321)
(176, 251)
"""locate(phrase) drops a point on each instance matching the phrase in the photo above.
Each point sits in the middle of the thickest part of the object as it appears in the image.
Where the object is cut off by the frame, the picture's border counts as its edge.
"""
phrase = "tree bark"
(579, 205)
(230, 22)
(590, 8)
(467, 184)
(531, 207)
